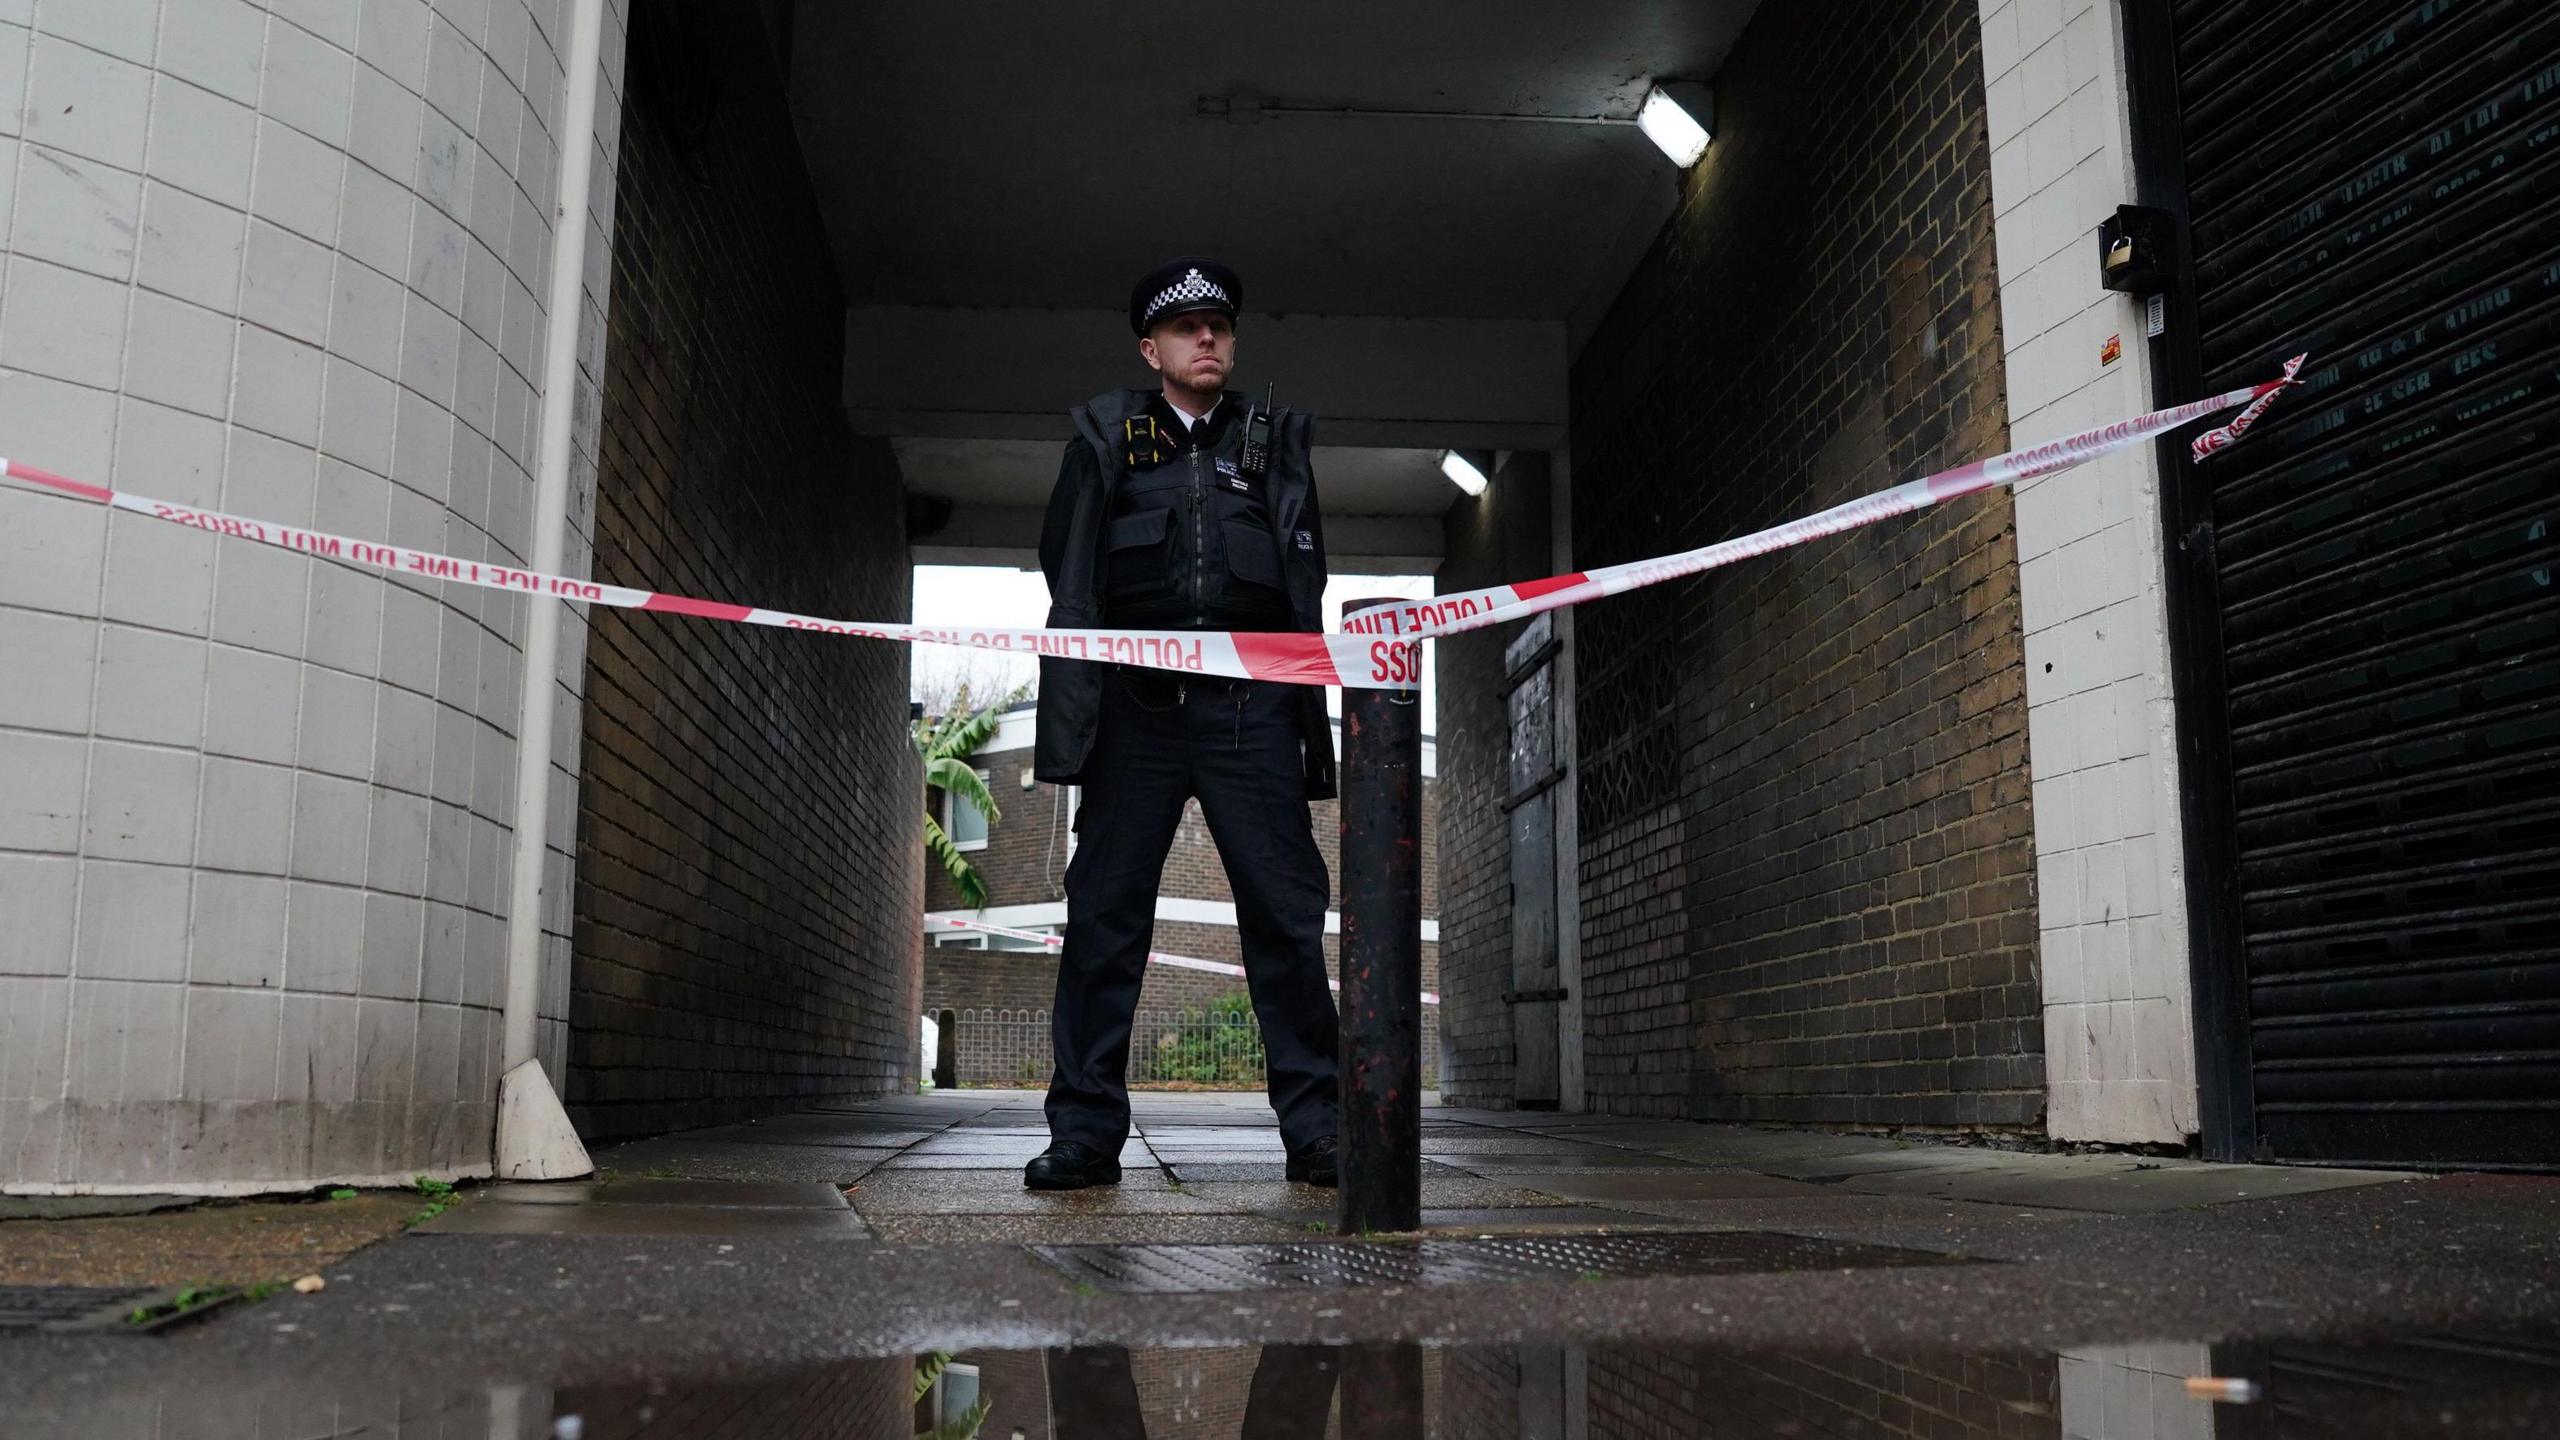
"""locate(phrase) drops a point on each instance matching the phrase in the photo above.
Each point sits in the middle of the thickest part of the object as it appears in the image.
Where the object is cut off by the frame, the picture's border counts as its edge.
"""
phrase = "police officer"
(1185, 507)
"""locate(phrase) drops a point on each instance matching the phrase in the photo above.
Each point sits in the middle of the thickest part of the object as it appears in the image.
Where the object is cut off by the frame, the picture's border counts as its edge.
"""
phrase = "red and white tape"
(1154, 957)
(1363, 657)
(1462, 611)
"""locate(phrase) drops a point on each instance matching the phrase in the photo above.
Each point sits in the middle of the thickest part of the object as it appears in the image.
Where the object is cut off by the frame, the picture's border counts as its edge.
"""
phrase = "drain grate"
(1212, 1269)
(67, 1307)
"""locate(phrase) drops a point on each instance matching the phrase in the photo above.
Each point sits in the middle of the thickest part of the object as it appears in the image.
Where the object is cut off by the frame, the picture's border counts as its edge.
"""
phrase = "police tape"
(1377, 649)
(1154, 957)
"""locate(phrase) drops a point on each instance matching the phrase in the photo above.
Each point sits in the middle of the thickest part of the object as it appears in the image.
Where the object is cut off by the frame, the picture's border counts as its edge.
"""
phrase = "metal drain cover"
(67, 1307)
(1211, 1269)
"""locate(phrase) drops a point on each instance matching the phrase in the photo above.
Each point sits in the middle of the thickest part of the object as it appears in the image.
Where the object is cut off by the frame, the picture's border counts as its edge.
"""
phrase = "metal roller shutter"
(2378, 182)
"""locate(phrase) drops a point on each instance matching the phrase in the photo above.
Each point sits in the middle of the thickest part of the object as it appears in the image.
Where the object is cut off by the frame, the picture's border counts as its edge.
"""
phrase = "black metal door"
(2367, 652)
(1537, 990)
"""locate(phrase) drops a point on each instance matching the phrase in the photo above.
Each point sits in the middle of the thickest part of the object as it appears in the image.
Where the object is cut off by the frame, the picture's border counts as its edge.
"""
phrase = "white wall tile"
(300, 182)
(237, 933)
(258, 595)
(286, 283)
(391, 36)
(190, 247)
(247, 821)
(278, 390)
(38, 893)
(216, 44)
(124, 1041)
(179, 355)
(337, 723)
(141, 806)
(81, 102)
(331, 824)
(123, 28)
(133, 921)
(51, 552)
(52, 659)
(231, 1044)
(309, 83)
(42, 780)
(63, 324)
(150, 686)
(324, 939)
(251, 701)
(202, 142)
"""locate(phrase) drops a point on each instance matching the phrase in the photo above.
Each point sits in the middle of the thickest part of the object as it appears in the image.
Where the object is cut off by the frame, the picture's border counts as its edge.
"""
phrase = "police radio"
(1257, 436)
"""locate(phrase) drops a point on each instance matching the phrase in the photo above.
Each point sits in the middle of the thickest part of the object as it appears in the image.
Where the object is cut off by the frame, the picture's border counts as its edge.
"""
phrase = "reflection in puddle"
(2453, 1384)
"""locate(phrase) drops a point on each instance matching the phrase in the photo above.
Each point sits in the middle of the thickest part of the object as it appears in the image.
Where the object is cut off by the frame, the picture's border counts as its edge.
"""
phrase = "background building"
(1001, 988)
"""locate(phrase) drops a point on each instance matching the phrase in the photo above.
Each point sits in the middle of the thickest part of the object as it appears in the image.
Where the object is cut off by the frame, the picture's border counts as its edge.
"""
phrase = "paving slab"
(1081, 1230)
(718, 1222)
(684, 1159)
(767, 1194)
(1713, 1185)
(1564, 1218)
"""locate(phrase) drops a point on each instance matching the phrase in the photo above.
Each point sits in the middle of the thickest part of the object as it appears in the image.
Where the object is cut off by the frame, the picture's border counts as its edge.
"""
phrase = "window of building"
(962, 821)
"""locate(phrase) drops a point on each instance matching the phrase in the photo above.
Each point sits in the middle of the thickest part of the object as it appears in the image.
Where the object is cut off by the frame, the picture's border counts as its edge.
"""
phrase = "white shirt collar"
(1189, 420)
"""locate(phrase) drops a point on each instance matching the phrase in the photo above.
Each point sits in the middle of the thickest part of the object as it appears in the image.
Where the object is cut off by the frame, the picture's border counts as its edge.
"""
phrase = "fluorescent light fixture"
(1680, 129)
(1463, 472)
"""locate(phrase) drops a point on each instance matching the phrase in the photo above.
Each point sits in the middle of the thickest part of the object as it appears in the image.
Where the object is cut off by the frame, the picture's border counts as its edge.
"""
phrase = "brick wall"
(1804, 801)
(747, 874)
(1499, 536)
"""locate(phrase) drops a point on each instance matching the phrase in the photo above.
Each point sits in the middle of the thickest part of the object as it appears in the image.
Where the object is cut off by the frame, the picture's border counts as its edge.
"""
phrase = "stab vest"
(1190, 544)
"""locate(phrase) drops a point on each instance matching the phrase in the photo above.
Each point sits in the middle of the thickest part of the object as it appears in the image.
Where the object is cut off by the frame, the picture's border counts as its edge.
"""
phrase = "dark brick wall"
(1499, 536)
(747, 870)
(1807, 865)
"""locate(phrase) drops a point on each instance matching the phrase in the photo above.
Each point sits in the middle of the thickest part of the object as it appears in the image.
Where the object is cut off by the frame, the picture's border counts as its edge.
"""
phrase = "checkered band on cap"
(1192, 286)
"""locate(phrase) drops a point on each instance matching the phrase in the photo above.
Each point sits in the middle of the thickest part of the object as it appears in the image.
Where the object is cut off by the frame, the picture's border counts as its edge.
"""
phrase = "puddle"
(2467, 1384)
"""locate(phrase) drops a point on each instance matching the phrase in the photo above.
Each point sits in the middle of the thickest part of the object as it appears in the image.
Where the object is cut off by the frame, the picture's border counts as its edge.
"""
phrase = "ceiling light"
(1464, 471)
(1678, 125)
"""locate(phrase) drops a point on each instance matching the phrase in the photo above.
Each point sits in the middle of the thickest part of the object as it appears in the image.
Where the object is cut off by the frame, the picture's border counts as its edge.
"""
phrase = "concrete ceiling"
(995, 176)
(1019, 153)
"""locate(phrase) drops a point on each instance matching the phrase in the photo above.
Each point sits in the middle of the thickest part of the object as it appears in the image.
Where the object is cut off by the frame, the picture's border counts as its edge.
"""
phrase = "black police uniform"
(1161, 526)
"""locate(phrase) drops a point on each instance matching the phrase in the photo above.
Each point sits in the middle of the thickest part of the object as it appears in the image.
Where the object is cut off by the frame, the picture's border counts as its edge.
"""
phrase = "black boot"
(1069, 1165)
(1314, 1164)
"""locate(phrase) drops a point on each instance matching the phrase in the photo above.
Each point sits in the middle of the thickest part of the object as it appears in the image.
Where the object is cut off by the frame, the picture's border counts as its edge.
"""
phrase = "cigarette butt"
(2222, 1389)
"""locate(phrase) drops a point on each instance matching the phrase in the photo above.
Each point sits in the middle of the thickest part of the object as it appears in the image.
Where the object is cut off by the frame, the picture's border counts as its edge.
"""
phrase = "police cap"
(1178, 287)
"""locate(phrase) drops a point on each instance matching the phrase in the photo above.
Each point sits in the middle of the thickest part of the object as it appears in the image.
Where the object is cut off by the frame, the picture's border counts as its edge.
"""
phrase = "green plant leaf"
(973, 889)
(947, 773)
(928, 1370)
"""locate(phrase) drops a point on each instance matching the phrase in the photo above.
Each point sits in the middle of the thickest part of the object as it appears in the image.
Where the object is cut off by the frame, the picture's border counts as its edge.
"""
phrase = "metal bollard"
(1381, 1056)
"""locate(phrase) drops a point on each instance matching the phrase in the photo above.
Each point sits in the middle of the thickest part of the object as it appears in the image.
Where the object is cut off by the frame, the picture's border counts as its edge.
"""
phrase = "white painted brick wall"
(284, 257)
(2118, 1013)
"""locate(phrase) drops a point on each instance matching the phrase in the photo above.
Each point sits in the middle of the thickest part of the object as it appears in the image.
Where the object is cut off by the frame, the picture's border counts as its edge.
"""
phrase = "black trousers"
(1165, 739)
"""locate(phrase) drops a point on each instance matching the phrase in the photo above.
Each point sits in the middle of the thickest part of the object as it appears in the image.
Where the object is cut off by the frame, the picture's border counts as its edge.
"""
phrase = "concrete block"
(169, 454)
(125, 1041)
(133, 922)
(323, 938)
(259, 594)
(248, 817)
(278, 392)
(346, 624)
(332, 822)
(1999, 38)
(190, 247)
(231, 1040)
(202, 142)
(2065, 978)
(316, 1049)
(2044, 82)
(43, 779)
(392, 38)
(150, 686)
(310, 83)
(63, 324)
(216, 44)
(299, 182)
(535, 1139)
(453, 73)
(2103, 889)
(51, 660)
(337, 723)
(2055, 815)
(252, 701)
(2058, 889)
(237, 930)
(286, 281)
(394, 942)
(397, 857)
(366, 325)
(2106, 952)
(37, 894)
(84, 103)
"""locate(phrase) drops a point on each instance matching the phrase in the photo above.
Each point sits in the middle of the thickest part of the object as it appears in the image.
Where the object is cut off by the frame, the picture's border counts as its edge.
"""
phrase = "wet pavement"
(788, 1277)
